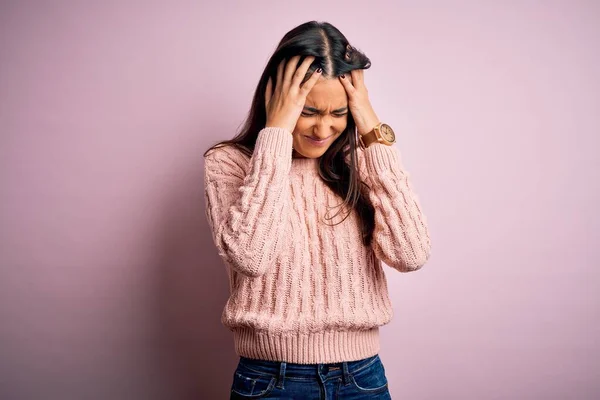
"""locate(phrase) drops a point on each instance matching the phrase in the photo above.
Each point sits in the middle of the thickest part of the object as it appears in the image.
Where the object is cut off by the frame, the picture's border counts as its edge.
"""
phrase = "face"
(325, 116)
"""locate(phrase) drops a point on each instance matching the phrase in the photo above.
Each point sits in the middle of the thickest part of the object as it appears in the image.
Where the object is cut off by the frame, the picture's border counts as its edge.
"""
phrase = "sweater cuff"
(382, 158)
(276, 141)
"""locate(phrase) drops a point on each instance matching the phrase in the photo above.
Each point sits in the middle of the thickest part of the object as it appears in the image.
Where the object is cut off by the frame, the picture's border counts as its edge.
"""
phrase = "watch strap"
(370, 137)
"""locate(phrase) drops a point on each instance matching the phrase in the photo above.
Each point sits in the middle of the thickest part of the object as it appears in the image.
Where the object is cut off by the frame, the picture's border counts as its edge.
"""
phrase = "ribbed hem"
(308, 348)
(382, 158)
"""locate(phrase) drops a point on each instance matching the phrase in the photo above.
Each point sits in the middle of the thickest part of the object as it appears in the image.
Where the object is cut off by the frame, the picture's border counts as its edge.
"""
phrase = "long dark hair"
(338, 167)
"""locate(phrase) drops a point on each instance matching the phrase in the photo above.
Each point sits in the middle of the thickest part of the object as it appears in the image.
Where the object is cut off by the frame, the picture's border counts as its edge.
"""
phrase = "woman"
(308, 295)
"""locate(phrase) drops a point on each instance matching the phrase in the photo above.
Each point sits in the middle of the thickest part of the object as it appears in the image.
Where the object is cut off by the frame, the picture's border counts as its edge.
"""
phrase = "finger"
(290, 68)
(278, 83)
(347, 85)
(268, 92)
(357, 78)
(308, 85)
(301, 71)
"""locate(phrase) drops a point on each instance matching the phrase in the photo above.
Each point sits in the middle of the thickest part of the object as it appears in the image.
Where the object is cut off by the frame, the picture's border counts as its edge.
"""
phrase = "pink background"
(110, 285)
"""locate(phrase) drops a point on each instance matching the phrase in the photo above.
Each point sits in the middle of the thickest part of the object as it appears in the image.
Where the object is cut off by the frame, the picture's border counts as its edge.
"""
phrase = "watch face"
(387, 133)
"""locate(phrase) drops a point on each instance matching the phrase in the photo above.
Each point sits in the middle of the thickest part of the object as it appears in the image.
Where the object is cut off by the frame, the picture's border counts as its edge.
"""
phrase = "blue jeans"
(260, 379)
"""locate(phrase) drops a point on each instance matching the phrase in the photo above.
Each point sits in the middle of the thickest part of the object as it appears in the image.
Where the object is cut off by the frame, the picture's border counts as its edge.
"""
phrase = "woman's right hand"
(285, 102)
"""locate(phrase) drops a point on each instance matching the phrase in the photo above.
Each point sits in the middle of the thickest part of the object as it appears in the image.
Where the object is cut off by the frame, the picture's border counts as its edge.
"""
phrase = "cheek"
(341, 124)
(302, 125)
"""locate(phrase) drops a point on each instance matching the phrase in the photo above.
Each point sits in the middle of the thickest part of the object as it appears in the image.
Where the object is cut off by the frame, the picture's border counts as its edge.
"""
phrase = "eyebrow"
(319, 111)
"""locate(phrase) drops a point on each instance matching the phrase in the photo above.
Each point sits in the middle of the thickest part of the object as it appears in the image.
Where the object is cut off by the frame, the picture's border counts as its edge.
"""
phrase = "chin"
(310, 153)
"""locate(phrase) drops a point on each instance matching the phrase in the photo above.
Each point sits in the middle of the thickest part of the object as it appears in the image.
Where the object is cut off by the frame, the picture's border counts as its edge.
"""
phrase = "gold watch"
(382, 133)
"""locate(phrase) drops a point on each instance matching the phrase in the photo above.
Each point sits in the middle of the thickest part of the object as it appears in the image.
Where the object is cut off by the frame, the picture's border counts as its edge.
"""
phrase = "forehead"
(327, 93)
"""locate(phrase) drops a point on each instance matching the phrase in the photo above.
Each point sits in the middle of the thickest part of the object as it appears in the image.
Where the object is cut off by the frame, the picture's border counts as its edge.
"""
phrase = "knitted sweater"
(303, 289)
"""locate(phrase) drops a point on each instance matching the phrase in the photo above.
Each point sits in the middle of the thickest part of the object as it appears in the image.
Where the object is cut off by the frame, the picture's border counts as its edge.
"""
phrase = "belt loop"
(281, 375)
(346, 372)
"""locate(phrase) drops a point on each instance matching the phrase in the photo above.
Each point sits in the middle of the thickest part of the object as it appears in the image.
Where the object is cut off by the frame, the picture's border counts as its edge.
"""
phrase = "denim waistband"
(293, 369)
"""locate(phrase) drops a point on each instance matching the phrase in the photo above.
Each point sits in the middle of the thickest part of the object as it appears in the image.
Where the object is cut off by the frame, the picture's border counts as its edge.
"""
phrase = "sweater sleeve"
(401, 236)
(246, 207)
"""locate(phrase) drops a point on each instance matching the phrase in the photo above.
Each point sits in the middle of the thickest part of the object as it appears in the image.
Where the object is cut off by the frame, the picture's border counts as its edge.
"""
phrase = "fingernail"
(319, 70)
(342, 76)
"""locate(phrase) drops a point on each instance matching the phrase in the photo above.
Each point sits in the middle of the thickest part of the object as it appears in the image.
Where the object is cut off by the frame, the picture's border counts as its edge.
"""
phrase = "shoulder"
(228, 158)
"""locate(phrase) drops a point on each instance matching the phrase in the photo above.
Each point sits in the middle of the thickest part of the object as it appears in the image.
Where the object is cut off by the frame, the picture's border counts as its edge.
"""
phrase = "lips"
(316, 139)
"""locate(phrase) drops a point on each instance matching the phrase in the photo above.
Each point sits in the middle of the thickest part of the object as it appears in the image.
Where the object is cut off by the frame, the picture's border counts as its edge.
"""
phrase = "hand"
(285, 102)
(358, 101)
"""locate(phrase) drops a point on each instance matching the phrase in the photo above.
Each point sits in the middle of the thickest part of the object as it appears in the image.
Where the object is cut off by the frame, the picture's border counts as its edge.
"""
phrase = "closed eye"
(312, 115)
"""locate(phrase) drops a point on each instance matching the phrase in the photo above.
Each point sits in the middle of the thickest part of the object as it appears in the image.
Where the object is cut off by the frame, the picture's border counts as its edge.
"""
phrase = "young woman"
(307, 289)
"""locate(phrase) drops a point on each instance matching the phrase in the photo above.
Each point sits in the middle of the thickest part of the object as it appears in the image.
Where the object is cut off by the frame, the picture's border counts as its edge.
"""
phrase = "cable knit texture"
(303, 289)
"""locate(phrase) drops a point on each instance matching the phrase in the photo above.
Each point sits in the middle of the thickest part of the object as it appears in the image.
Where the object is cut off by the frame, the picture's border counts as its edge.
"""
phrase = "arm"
(246, 211)
(401, 237)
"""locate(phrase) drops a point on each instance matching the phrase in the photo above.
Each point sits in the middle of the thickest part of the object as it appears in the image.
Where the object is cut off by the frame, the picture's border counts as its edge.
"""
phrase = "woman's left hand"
(358, 101)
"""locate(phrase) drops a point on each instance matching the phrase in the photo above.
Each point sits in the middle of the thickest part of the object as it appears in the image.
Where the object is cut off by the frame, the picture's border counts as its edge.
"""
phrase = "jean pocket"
(251, 384)
(370, 379)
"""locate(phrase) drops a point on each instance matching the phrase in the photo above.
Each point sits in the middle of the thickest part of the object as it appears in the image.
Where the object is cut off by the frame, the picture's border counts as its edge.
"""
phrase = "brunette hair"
(338, 167)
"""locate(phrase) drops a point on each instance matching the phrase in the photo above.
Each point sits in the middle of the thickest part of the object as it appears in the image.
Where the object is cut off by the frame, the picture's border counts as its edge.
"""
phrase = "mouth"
(318, 142)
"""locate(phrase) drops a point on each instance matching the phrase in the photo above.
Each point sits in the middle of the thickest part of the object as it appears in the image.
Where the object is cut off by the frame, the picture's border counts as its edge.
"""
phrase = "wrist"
(368, 126)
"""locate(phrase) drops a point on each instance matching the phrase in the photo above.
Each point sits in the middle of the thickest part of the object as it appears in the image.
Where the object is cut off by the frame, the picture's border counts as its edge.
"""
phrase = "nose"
(324, 127)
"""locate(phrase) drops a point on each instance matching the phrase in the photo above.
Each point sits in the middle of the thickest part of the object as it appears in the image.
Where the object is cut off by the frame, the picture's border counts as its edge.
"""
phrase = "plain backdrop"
(110, 285)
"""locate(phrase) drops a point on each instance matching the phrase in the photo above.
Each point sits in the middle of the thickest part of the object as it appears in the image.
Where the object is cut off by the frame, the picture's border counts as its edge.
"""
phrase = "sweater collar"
(305, 164)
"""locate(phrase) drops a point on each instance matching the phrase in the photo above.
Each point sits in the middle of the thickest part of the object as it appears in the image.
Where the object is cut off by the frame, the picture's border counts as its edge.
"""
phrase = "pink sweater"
(303, 291)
